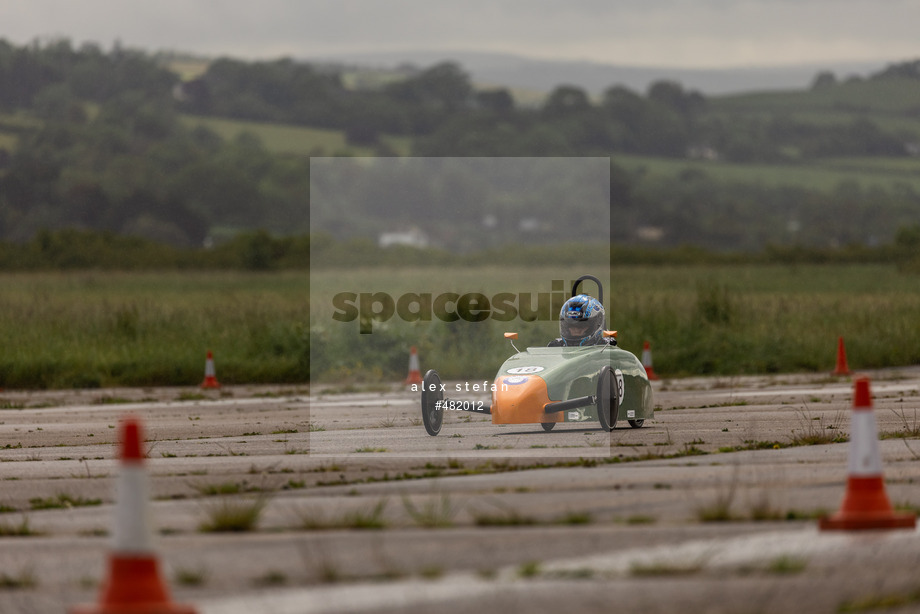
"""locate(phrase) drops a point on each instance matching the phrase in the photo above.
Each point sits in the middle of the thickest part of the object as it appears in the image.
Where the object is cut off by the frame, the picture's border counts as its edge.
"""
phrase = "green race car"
(560, 383)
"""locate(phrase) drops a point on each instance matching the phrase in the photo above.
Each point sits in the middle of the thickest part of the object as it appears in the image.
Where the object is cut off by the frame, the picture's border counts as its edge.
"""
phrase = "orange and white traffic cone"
(647, 361)
(866, 504)
(842, 368)
(210, 374)
(415, 372)
(134, 584)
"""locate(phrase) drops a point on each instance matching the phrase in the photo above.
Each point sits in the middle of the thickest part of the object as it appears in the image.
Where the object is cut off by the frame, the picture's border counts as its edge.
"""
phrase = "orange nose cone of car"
(520, 400)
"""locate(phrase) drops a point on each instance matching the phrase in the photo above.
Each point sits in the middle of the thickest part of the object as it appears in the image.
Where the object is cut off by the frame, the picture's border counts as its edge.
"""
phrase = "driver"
(581, 322)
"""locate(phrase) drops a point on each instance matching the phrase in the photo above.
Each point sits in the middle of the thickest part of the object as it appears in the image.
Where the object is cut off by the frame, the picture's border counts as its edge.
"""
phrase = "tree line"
(99, 144)
(107, 151)
(449, 117)
(74, 249)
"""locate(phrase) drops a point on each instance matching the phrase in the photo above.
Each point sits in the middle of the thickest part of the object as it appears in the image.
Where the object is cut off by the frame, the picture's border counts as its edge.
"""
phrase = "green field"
(142, 329)
(12, 125)
(701, 319)
(103, 329)
(904, 124)
(291, 139)
(769, 319)
(8, 141)
(188, 68)
(821, 175)
(894, 96)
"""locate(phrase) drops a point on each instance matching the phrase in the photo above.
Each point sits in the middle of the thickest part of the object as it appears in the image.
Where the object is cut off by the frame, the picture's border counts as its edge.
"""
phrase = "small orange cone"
(647, 361)
(210, 375)
(133, 585)
(842, 368)
(865, 504)
(415, 373)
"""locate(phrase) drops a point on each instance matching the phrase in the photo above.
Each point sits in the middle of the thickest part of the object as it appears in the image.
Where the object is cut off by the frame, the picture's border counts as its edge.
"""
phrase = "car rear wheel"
(432, 412)
(547, 426)
(636, 424)
(608, 398)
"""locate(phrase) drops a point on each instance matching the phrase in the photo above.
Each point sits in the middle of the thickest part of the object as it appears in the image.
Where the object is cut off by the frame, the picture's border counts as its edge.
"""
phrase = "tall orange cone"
(133, 585)
(842, 368)
(647, 361)
(415, 372)
(210, 374)
(865, 504)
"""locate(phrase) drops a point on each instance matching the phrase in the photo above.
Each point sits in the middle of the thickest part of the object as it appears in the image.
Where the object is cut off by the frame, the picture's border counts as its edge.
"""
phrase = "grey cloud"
(703, 32)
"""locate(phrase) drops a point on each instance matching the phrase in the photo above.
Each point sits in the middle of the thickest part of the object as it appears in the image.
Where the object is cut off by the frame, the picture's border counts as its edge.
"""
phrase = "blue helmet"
(581, 321)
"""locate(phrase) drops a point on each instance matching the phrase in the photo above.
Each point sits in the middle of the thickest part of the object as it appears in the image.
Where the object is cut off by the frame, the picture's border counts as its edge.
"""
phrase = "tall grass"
(768, 319)
(823, 176)
(730, 319)
(457, 349)
(91, 329)
(137, 329)
(294, 139)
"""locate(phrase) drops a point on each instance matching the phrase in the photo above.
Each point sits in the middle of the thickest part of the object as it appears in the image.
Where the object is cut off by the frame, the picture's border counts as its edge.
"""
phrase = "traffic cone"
(865, 504)
(210, 375)
(134, 584)
(415, 373)
(842, 368)
(647, 361)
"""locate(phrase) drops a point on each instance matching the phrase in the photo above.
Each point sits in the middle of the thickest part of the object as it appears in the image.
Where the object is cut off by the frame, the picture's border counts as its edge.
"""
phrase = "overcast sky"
(671, 33)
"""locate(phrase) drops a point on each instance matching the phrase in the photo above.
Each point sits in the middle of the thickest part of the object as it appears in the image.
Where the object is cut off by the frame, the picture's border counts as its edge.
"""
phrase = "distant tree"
(907, 240)
(621, 98)
(195, 96)
(495, 100)
(31, 179)
(672, 95)
(904, 70)
(626, 108)
(471, 135)
(824, 79)
(444, 87)
(57, 102)
(545, 140)
(280, 90)
(566, 100)
(367, 115)
(361, 133)
(87, 204)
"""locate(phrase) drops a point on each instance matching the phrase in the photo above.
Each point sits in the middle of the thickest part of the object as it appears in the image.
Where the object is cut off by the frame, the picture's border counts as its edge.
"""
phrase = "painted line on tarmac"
(697, 555)
(746, 550)
(378, 402)
(876, 389)
(354, 597)
(140, 406)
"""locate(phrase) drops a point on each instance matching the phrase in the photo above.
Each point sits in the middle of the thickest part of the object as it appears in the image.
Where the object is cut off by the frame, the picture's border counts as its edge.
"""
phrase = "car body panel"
(529, 380)
(523, 398)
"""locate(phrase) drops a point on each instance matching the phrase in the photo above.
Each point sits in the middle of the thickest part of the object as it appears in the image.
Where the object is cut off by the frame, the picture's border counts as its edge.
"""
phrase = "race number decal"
(524, 370)
(621, 387)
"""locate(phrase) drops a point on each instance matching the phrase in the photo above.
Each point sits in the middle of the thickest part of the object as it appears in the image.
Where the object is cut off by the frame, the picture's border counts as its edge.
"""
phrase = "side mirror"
(511, 335)
(607, 334)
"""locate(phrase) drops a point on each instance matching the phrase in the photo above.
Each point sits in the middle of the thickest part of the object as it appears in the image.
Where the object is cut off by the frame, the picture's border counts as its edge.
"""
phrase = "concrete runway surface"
(710, 507)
